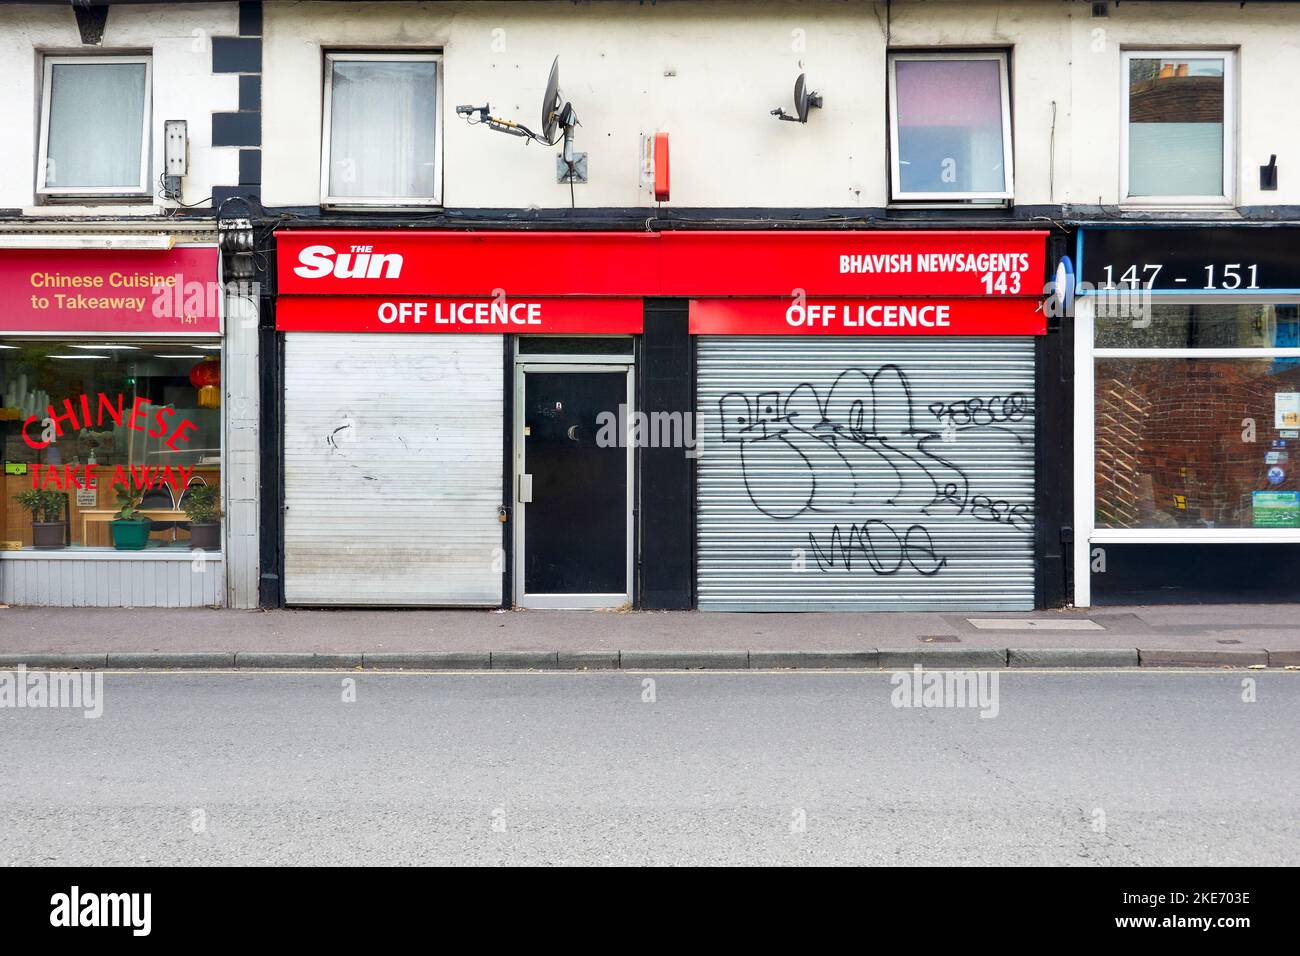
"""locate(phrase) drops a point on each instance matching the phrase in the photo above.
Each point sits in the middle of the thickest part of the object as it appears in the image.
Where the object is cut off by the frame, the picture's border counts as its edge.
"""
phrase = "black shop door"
(573, 488)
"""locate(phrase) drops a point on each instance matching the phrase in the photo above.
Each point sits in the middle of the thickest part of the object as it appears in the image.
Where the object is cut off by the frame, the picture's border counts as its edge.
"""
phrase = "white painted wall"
(731, 64)
(708, 72)
(1267, 38)
(183, 84)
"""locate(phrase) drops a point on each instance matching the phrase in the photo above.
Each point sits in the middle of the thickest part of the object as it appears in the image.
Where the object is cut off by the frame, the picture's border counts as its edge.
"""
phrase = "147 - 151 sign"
(1197, 260)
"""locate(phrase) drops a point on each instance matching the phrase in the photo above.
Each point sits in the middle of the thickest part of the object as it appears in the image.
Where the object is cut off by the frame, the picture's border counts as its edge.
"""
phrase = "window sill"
(429, 205)
(106, 554)
(1218, 207)
(1194, 535)
(62, 210)
(993, 205)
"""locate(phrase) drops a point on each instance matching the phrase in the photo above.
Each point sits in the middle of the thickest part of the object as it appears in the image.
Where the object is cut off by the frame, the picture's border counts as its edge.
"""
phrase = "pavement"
(1184, 635)
(1096, 768)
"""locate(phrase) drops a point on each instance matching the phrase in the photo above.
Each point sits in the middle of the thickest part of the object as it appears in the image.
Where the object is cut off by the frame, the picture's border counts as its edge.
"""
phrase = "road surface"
(1083, 768)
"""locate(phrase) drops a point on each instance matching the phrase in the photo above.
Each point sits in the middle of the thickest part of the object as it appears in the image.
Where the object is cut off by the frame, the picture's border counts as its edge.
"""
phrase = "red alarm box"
(661, 167)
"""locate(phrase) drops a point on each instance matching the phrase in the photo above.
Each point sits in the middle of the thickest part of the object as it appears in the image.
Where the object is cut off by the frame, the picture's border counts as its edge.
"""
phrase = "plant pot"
(49, 535)
(205, 535)
(130, 535)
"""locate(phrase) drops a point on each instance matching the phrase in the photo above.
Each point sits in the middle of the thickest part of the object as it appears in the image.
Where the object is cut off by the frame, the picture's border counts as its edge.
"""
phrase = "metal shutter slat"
(813, 456)
(393, 469)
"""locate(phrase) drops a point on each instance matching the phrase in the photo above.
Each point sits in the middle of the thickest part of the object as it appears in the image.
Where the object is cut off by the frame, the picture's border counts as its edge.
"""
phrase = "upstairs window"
(1177, 127)
(950, 127)
(382, 130)
(94, 126)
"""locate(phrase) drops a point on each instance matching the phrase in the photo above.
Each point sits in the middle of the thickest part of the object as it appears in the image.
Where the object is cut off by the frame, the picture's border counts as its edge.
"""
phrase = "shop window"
(1219, 326)
(87, 421)
(575, 345)
(1177, 123)
(94, 137)
(1197, 415)
(950, 126)
(382, 130)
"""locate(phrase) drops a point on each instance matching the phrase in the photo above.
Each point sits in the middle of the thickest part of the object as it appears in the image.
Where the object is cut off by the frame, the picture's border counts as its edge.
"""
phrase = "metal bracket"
(579, 168)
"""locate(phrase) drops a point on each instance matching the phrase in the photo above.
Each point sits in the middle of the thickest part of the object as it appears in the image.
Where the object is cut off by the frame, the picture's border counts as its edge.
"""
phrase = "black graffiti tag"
(884, 548)
(843, 441)
(993, 410)
(866, 421)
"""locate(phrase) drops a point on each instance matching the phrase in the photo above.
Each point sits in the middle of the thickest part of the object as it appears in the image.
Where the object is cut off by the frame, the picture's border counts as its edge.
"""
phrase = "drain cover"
(939, 639)
(1227, 642)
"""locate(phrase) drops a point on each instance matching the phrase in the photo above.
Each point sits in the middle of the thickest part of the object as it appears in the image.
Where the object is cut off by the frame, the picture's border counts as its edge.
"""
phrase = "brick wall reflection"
(1170, 449)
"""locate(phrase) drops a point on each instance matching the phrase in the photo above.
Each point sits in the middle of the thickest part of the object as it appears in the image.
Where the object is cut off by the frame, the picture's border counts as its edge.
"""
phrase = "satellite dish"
(804, 100)
(559, 119)
(552, 103)
(558, 116)
(803, 97)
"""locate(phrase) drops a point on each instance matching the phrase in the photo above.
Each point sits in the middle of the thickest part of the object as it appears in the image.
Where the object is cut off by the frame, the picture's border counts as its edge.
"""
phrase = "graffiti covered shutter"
(392, 469)
(879, 473)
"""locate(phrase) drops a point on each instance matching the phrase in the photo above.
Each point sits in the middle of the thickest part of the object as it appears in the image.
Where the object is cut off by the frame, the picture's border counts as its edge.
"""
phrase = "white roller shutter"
(865, 474)
(392, 469)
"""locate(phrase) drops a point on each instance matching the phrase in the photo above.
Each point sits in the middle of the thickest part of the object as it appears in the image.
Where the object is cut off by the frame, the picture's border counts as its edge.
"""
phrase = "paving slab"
(482, 639)
(587, 660)
(684, 660)
(942, 657)
(427, 660)
(295, 659)
(798, 660)
(170, 660)
(1195, 657)
(1072, 657)
(525, 660)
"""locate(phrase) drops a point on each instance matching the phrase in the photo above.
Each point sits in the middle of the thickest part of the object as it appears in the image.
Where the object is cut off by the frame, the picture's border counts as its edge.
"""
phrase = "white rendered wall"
(184, 87)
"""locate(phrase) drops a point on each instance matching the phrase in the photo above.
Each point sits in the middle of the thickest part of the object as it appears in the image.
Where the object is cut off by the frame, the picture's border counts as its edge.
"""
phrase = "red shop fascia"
(589, 283)
(680, 292)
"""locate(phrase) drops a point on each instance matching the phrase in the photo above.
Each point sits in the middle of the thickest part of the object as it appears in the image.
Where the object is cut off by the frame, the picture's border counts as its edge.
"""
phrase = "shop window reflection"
(1196, 443)
(125, 414)
(1215, 326)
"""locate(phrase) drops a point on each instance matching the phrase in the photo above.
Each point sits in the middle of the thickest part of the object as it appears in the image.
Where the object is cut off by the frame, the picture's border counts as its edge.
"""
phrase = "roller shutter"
(865, 474)
(392, 464)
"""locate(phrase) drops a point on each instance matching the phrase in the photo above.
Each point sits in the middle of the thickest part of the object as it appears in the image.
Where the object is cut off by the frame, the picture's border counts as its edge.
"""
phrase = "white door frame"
(576, 364)
(1085, 492)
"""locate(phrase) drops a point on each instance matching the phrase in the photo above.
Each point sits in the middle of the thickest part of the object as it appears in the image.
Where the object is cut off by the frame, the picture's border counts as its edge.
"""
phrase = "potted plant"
(130, 528)
(49, 529)
(204, 511)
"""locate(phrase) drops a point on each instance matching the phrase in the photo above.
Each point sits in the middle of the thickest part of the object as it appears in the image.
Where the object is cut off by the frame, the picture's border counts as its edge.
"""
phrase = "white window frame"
(388, 202)
(42, 157)
(1086, 533)
(896, 191)
(1227, 197)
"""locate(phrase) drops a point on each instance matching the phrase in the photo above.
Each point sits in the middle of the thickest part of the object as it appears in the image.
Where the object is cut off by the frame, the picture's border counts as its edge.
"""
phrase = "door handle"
(525, 489)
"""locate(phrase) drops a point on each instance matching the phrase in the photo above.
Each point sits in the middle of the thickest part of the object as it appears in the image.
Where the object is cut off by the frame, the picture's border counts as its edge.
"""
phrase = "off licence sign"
(465, 315)
(867, 317)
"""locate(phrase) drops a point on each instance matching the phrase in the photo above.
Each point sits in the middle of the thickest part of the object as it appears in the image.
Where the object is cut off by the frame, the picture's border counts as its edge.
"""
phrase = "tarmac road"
(1086, 768)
